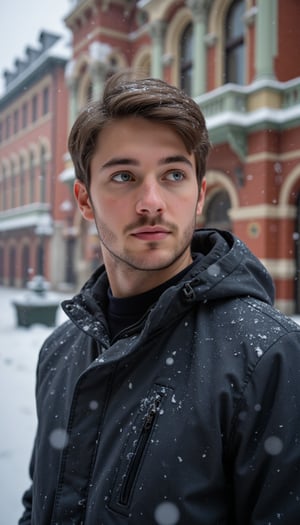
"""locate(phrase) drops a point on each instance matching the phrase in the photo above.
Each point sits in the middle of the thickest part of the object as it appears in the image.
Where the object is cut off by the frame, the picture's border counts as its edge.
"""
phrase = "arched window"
(43, 172)
(22, 181)
(3, 189)
(31, 178)
(12, 184)
(46, 100)
(235, 43)
(216, 212)
(186, 59)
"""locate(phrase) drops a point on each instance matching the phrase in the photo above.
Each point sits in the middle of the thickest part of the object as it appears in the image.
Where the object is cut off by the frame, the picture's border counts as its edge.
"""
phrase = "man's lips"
(151, 233)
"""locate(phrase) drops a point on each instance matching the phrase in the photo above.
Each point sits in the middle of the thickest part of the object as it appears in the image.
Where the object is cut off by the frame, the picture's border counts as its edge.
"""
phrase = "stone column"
(98, 67)
(199, 12)
(98, 72)
(157, 32)
(72, 83)
(266, 34)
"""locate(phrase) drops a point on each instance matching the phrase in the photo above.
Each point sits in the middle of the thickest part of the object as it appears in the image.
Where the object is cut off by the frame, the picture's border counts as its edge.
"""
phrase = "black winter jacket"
(191, 417)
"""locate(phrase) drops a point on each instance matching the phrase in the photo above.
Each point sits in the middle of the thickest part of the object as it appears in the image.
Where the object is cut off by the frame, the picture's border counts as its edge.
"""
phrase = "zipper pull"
(188, 292)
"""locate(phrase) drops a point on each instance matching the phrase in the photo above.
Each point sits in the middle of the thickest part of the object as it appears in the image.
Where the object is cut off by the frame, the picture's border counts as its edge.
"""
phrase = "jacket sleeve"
(265, 447)
(27, 502)
(27, 496)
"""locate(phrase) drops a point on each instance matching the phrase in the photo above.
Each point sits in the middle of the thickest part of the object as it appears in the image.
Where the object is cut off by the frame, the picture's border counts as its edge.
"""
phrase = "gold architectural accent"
(287, 186)
(276, 157)
(157, 9)
(81, 63)
(253, 230)
(142, 60)
(286, 306)
(263, 211)
(264, 98)
(219, 178)
(280, 268)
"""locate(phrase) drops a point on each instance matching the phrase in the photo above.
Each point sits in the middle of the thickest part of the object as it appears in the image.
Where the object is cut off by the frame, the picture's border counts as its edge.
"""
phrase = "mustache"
(146, 221)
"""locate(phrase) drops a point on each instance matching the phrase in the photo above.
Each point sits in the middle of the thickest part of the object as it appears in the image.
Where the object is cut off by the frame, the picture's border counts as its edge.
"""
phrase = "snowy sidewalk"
(19, 348)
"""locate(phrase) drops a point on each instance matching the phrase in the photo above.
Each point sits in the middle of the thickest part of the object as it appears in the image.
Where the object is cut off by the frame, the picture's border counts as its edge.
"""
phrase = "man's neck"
(127, 282)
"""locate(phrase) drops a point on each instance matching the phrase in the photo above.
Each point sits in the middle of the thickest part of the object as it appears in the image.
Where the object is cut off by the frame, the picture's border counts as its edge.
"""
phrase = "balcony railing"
(232, 111)
(229, 97)
(291, 95)
(36, 215)
(235, 98)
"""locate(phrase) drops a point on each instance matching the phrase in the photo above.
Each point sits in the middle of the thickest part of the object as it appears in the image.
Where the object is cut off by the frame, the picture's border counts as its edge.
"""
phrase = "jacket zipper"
(142, 441)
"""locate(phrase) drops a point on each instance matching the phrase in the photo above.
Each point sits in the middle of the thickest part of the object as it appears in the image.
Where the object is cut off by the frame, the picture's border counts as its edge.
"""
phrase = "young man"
(172, 395)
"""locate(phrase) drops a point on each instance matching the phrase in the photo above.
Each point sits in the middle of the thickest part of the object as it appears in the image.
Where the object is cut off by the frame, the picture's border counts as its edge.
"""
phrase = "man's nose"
(150, 199)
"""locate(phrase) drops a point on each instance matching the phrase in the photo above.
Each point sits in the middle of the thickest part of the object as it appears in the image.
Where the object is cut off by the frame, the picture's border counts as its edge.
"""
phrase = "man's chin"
(151, 263)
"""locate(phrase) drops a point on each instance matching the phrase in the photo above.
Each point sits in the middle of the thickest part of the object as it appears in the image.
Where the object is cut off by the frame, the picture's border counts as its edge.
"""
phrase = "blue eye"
(175, 175)
(122, 176)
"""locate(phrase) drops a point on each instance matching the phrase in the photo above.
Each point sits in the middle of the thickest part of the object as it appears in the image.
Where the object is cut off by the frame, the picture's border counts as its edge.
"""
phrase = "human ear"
(201, 197)
(83, 200)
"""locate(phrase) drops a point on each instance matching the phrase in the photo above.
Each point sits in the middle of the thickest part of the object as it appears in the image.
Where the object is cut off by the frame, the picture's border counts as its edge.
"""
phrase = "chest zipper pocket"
(135, 449)
(140, 448)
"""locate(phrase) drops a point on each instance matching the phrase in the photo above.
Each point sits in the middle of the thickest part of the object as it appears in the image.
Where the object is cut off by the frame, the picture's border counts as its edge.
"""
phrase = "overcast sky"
(20, 24)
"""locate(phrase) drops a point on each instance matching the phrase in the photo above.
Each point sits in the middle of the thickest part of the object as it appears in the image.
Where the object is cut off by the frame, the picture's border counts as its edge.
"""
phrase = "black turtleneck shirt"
(126, 311)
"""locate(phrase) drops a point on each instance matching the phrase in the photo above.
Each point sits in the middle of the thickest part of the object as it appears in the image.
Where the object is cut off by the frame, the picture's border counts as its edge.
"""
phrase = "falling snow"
(166, 513)
(273, 445)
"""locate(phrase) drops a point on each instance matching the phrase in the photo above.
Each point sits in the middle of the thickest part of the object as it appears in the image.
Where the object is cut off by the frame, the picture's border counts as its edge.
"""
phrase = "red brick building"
(33, 129)
(238, 59)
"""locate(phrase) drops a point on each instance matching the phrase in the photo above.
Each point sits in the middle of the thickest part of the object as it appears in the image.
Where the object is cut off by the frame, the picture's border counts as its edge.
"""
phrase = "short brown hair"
(150, 98)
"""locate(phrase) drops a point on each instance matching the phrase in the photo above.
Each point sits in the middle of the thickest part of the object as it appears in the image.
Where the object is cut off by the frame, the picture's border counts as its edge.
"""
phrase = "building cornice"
(30, 77)
(53, 56)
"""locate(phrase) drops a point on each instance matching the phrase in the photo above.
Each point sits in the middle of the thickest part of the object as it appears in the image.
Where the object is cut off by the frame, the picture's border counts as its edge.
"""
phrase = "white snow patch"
(19, 350)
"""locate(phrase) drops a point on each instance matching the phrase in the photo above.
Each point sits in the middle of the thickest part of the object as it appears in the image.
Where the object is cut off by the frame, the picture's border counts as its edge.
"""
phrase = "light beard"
(139, 262)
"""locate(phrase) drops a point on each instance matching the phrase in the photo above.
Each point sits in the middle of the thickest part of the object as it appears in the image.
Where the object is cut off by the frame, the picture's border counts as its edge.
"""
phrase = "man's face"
(143, 196)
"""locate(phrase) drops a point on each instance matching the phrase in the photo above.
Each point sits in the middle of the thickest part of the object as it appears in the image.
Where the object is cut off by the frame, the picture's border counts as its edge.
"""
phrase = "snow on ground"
(19, 349)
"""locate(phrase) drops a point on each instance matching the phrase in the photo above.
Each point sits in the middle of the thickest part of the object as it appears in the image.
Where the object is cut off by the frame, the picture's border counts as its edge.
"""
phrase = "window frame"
(234, 45)
(186, 62)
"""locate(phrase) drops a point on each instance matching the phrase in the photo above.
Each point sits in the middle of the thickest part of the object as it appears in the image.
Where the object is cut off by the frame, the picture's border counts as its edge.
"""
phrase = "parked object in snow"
(38, 305)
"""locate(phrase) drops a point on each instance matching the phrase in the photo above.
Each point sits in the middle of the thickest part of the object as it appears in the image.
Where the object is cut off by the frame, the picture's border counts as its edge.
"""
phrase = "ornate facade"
(238, 59)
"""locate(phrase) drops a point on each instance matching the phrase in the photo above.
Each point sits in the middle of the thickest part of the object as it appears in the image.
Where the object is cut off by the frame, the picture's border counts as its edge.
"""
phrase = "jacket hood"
(229, 269)
(224, 268)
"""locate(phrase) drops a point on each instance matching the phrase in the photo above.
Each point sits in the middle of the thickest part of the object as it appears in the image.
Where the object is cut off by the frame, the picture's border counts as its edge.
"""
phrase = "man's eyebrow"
(118, 161)
(121, 161)
(175, 158)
